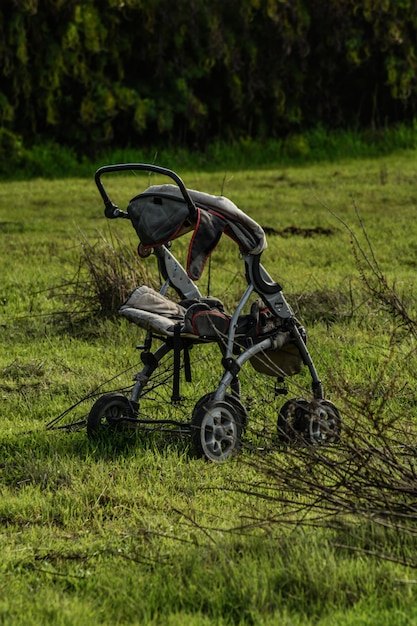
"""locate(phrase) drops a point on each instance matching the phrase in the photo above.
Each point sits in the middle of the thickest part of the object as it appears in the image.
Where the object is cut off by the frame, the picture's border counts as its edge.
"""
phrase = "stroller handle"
(112, 210)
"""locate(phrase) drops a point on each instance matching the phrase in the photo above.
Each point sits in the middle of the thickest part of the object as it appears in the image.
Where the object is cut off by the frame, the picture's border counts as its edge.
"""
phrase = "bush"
(104, 73)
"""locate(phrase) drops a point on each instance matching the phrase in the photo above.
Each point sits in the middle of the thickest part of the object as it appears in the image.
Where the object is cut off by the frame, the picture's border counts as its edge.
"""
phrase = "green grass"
(138, 531)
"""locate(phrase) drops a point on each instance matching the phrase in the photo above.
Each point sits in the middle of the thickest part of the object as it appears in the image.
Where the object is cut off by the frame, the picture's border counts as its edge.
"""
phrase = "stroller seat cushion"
(153, 311)
(207, 322)
(203, 319)
(147, 299)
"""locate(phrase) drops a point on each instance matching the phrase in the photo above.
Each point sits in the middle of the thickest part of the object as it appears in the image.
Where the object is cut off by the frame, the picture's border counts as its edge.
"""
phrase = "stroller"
(268, 336)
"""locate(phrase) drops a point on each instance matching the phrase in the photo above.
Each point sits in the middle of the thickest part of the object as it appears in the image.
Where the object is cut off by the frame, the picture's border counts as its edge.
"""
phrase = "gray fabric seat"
(201, 319)
(150, 310)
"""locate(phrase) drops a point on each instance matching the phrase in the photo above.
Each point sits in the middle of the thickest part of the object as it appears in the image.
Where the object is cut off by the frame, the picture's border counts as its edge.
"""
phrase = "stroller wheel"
(293, 420)
(216, 429)
(316, 422)
(106, 413)
(230, 399)
(326, 423)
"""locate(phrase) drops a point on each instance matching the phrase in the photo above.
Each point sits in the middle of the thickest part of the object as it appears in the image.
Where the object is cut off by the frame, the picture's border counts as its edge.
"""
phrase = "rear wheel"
(216, 429)
(106, 414)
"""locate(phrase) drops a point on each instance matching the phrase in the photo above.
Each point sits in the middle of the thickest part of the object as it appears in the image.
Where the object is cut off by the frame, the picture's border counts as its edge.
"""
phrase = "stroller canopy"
(160, 214)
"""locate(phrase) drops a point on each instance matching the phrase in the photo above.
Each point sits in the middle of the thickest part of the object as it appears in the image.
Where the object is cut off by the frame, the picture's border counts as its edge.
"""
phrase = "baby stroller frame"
(219, 417)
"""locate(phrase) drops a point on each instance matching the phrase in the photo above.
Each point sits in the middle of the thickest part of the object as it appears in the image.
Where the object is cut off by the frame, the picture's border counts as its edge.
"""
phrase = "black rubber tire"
(293, 420)
(231, 399)
(216, 430)
(327, 424)
(315, 423)
(105, 414)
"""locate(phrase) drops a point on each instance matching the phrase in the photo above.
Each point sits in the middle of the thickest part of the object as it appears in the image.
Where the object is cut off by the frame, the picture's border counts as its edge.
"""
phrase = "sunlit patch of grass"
(135, 529)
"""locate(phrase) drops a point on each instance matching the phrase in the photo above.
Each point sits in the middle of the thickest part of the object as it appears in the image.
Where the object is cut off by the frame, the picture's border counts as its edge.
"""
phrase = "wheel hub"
(217, 429)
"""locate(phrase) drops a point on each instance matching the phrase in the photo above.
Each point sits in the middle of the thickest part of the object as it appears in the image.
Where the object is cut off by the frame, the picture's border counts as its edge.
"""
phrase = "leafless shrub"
(375, 281)
(106, 274)
(370, 476)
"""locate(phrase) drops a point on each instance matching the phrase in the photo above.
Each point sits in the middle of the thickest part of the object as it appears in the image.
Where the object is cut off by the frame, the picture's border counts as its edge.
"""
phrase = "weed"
(104, 279)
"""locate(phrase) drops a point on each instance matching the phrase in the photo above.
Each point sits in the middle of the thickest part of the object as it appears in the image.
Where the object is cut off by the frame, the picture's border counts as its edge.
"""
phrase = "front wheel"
(106, 414)
(216, 430)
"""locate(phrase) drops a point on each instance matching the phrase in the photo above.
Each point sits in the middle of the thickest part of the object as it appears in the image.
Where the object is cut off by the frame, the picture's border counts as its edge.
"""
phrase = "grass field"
(137, 530)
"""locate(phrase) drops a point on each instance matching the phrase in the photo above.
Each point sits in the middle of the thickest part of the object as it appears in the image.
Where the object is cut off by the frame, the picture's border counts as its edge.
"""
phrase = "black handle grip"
(112, 210)
(259, 281)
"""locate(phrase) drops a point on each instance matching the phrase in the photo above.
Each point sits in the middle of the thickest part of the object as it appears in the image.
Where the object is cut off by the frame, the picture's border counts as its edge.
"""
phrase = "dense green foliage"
(106, 72)
(50, 160)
